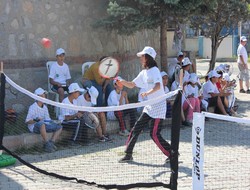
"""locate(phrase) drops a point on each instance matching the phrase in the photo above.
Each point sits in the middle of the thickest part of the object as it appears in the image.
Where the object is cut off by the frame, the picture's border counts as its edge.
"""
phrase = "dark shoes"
(186, 123)
(244, 91)
(126, 158)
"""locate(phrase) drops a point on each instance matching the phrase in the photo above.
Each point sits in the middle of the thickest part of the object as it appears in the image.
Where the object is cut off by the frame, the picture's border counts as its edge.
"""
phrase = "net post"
(1, 67)
(175, 138)
(2, 106)
(198, 151)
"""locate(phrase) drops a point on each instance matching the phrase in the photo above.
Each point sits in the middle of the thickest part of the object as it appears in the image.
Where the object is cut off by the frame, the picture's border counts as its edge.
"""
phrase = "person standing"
(100, 83)
(59, 74)
(242, 65)
(150, 79)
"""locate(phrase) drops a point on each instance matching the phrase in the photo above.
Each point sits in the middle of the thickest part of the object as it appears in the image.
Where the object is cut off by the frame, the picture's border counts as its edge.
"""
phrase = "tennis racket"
(109, 68)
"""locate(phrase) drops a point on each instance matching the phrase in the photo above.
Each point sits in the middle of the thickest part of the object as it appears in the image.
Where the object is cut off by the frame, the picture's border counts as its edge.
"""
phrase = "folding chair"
(86, 66)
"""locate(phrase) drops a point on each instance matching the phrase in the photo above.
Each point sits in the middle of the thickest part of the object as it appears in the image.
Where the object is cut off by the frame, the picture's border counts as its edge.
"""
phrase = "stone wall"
(68, 24)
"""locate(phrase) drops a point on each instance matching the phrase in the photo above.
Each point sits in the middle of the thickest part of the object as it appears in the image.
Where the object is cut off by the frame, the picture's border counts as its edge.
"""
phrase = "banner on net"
(198, 151)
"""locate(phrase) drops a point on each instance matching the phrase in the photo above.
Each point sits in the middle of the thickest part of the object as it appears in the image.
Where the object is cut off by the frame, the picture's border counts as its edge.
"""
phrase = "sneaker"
(48, 147)
(124, 133)
(186, 123)
(126, 158)
(102, 139)
(107, 138)
(53, 144)
(248, 91)
(242, 91)
(237, 115)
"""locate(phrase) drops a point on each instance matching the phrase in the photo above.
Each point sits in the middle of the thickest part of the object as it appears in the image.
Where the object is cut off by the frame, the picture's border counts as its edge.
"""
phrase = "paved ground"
(227, 157)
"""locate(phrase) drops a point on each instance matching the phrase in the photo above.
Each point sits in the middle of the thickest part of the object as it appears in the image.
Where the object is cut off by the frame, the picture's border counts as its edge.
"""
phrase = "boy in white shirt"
(59, 74)
(211, 93)
(73, 118)
(93, 120)
(39, 122)
(119, 97)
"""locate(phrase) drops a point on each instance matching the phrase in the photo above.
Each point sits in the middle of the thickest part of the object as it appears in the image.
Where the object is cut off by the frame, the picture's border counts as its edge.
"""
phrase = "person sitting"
(72, 118)
(164, 76)
(172, 66)
(119, 97)
(192, 100)
(88, 99)
(100, 83)
(212, 95)
(39, 121)
(228, 86)
(59, 74)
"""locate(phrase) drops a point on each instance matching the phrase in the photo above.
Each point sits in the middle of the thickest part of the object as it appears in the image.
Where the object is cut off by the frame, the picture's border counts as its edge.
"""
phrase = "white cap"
(186, 62)
(163, 73)
(213, 73)
(193, 78)
(243, 38)
(118, 78)
(147, 50)
(93, 92)
(74, 87)
(60, 51)
(220, 68)
(40, 91)
(226, 77)
(180, 54)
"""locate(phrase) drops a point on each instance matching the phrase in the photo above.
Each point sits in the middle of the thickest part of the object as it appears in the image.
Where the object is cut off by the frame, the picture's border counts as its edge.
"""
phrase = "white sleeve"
(139, 80)
(68, 73)
(112, 99)
(52, 72)
(30, 114)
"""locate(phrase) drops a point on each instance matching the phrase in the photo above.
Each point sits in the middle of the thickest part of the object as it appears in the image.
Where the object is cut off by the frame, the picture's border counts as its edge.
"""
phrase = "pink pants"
(195, 103)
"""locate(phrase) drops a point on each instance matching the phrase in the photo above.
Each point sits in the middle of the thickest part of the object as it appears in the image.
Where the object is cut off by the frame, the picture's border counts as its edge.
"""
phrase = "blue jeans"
(100, 102)
(50, 127)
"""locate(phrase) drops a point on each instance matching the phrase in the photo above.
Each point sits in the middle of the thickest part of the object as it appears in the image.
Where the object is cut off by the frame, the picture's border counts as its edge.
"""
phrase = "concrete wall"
(226, 49)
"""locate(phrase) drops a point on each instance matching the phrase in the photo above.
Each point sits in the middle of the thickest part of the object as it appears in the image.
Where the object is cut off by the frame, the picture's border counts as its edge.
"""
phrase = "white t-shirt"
(208, 88)
(36, 111)
(190, 90)
(171, 67)
(241, 51)
(147, 79)
(114, 100)
(166, 90)
(65, 111)
(81, 101)
(59, 73)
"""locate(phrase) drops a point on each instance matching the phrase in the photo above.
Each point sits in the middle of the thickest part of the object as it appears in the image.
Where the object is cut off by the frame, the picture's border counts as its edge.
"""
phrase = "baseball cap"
(118, 78)
(163, 73)
(180, 54)
(243, 38)
(193, 78)
(39, 91)
(93, 92)
(147, 50)
(74, 87)
(186, 62)
(226, 77)
(213, 73)
(60, 51)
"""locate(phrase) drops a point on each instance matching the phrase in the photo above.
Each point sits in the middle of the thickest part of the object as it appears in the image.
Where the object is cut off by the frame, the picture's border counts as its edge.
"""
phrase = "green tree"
(215, 16)
(130, 16)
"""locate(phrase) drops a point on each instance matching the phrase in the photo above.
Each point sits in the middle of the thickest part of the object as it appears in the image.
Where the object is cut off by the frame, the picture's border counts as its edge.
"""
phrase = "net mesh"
(226, 152)
(89, 161)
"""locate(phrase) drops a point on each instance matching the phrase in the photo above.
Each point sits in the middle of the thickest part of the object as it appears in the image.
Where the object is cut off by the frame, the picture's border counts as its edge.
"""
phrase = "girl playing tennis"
(150, 79)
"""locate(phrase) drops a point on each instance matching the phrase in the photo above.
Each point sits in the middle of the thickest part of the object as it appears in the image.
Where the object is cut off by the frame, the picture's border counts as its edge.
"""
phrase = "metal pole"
(2, 106)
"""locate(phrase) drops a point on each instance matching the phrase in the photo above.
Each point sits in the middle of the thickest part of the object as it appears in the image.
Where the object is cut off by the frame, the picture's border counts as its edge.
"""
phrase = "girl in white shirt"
(150, 79)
